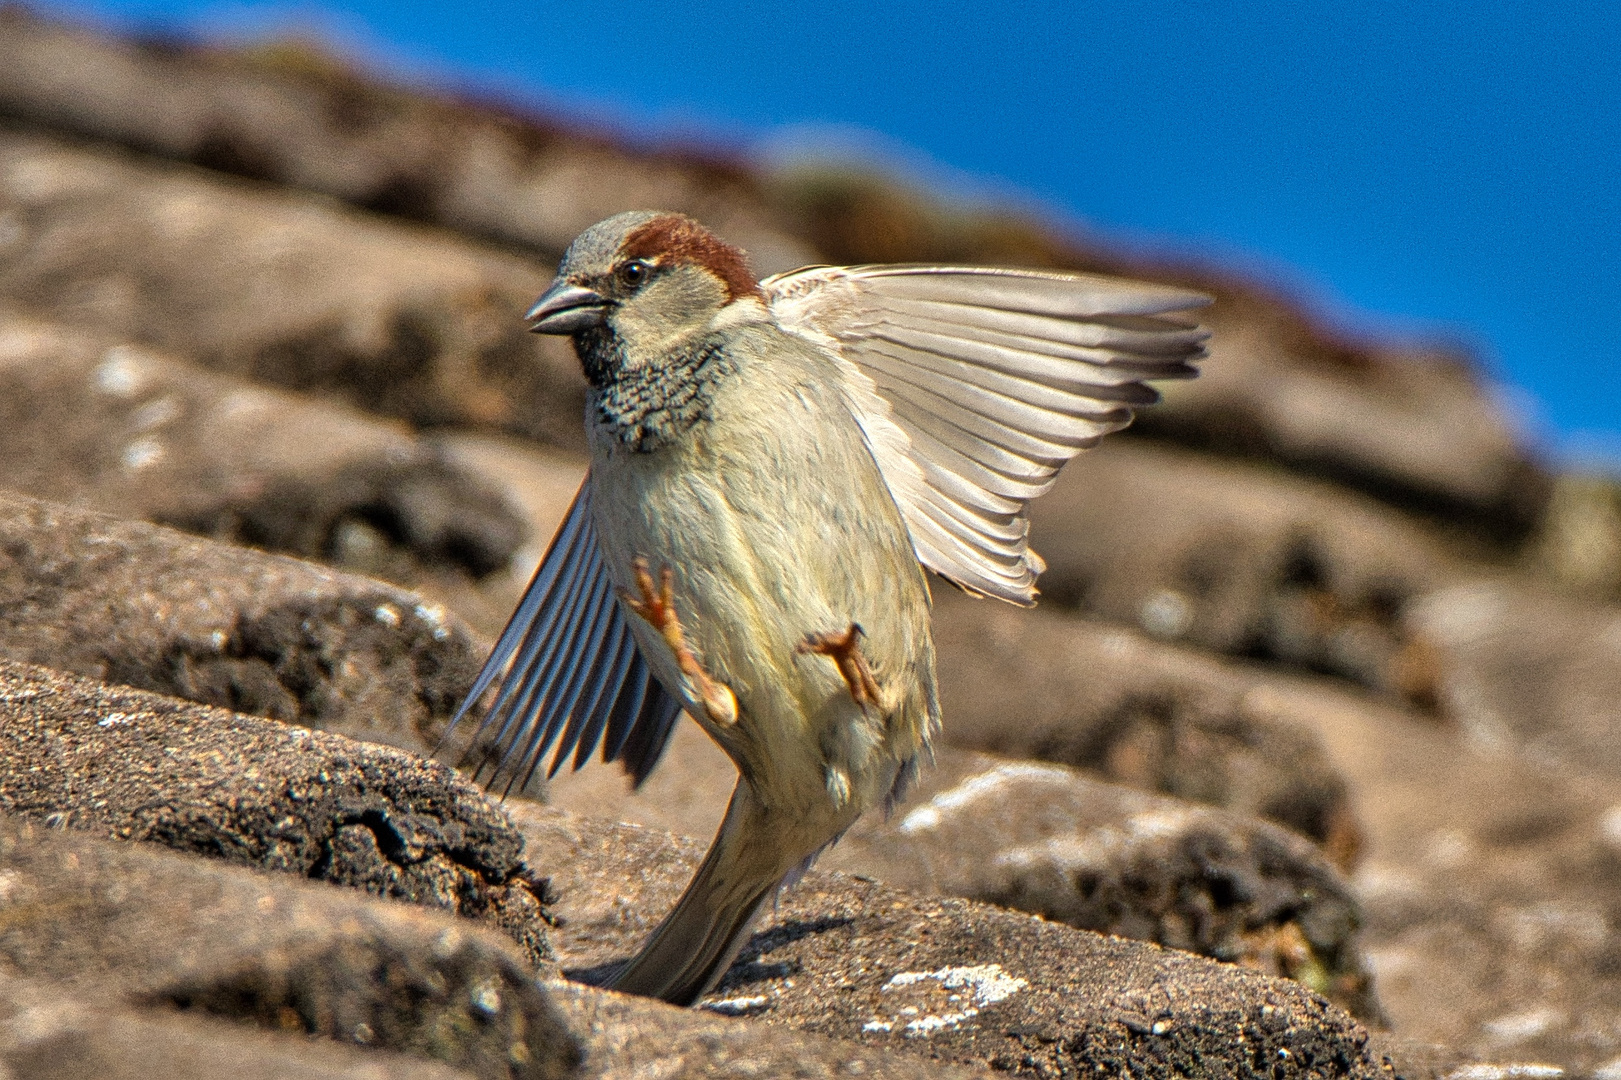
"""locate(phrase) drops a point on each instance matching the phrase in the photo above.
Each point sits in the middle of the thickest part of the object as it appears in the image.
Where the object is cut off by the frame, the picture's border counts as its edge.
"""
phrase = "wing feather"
(1099, 338)
(570, 673)
(975, 385)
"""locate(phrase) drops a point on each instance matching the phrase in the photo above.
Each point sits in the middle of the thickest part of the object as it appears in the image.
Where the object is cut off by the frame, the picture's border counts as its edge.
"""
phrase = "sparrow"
(773, 466)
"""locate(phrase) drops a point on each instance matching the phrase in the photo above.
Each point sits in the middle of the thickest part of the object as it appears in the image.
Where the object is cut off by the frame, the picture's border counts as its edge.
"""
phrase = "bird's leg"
(843, 647)
(657, 606)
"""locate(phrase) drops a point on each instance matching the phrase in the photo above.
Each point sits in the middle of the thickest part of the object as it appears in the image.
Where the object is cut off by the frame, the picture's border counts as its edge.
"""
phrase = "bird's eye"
(633, 273)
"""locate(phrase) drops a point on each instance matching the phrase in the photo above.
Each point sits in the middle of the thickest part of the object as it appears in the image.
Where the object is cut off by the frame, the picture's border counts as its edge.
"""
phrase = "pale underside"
(972, 387)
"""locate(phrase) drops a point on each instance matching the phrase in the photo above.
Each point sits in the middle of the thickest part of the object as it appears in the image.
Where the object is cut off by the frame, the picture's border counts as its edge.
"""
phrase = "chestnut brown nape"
(675, 238)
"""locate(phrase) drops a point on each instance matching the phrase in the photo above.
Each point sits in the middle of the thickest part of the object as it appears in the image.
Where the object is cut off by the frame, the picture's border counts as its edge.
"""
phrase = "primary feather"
(974, 385)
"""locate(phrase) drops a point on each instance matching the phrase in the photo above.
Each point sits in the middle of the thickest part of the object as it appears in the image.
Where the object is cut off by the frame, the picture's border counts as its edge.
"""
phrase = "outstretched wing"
(570, 673)
(975, 385)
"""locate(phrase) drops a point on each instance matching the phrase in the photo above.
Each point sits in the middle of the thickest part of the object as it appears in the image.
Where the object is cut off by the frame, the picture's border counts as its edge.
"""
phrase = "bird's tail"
(697, 941)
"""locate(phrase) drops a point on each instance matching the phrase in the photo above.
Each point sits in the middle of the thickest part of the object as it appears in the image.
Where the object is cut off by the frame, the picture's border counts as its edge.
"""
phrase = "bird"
(774, 464)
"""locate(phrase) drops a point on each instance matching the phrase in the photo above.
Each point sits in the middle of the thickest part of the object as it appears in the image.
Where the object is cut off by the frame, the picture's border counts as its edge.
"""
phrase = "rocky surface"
(46, 1034)
(90, 419)
(125, 961)
(1037, 684)
(1489, 890)
(261, 283)
(1413, 425)
(293, 116)
(134, 925)
(131, 765)
(627, 1038)
(1052, 841)
(149, 607)
(948, 979)
(1525, 669)
(1578, 542)
(1242, 559)
(1055, 842)
(256, 295)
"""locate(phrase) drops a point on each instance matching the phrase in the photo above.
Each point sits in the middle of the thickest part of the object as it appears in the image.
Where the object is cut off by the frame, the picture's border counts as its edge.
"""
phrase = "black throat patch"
(645, 408)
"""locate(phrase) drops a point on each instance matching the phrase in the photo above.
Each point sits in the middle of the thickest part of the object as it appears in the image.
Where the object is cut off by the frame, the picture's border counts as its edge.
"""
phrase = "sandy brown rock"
(948, 979)
(174, 962)
(1052, 841)
(1418, 426)
(86, 418)
(628, 1038)
(146, 606)
(1524, 668)
(136, 766)
(46, 1033)
(1489, 893)
(288, 114)
(1044, 685)
(1241, 559)
(537, 482)
(134, 925)
(1578, 546)
(282, 288)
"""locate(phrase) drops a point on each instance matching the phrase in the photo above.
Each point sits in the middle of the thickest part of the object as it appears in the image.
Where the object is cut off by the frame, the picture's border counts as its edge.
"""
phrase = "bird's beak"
(565, 308)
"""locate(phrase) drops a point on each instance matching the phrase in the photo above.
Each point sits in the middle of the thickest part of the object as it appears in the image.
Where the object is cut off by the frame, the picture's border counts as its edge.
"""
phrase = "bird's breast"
(776, 523)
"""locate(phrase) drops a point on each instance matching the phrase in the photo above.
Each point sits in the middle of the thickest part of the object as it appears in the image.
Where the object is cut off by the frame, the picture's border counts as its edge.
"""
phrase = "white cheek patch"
(675, 305)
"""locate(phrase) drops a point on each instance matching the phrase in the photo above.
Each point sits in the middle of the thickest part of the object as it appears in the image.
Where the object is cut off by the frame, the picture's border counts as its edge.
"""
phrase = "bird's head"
(641, 286)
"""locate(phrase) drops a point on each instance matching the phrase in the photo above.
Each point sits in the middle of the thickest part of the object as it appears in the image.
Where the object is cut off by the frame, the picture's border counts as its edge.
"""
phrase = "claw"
(657, 606)
(844, 649)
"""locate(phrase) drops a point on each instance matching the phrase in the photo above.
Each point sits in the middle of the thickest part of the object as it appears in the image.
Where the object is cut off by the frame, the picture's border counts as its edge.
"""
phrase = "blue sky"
(1424, 166)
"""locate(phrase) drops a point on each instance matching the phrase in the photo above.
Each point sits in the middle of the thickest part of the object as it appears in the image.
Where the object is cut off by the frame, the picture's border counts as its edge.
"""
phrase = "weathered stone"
(145, 606)
(288, 114)
(133, 925)
(948, 979)
(279, 287)
(628, 1038)
(1578, 547)
(87, 419)
(1415, 425)
(539, 483)
(1240, 559)
(1038, 684)
(48, 1032)
(1052, 841)
(1490, 889)
(1521, 667)
(131, 765)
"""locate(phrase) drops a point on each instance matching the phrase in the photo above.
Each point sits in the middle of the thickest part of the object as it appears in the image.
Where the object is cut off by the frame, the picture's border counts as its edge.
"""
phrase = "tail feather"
(699, 939)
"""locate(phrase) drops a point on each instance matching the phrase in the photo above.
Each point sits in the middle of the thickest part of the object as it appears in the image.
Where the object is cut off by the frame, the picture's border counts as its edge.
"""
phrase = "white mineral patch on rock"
(928, 1001)
(738, 1006)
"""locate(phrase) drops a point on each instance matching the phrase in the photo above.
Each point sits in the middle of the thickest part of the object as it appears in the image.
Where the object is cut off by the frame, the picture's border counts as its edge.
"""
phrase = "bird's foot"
(657, 606)
(843, 647)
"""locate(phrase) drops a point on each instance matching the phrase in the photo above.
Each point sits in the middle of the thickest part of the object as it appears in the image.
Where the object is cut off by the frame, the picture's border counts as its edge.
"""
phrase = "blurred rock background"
(1326, 682)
